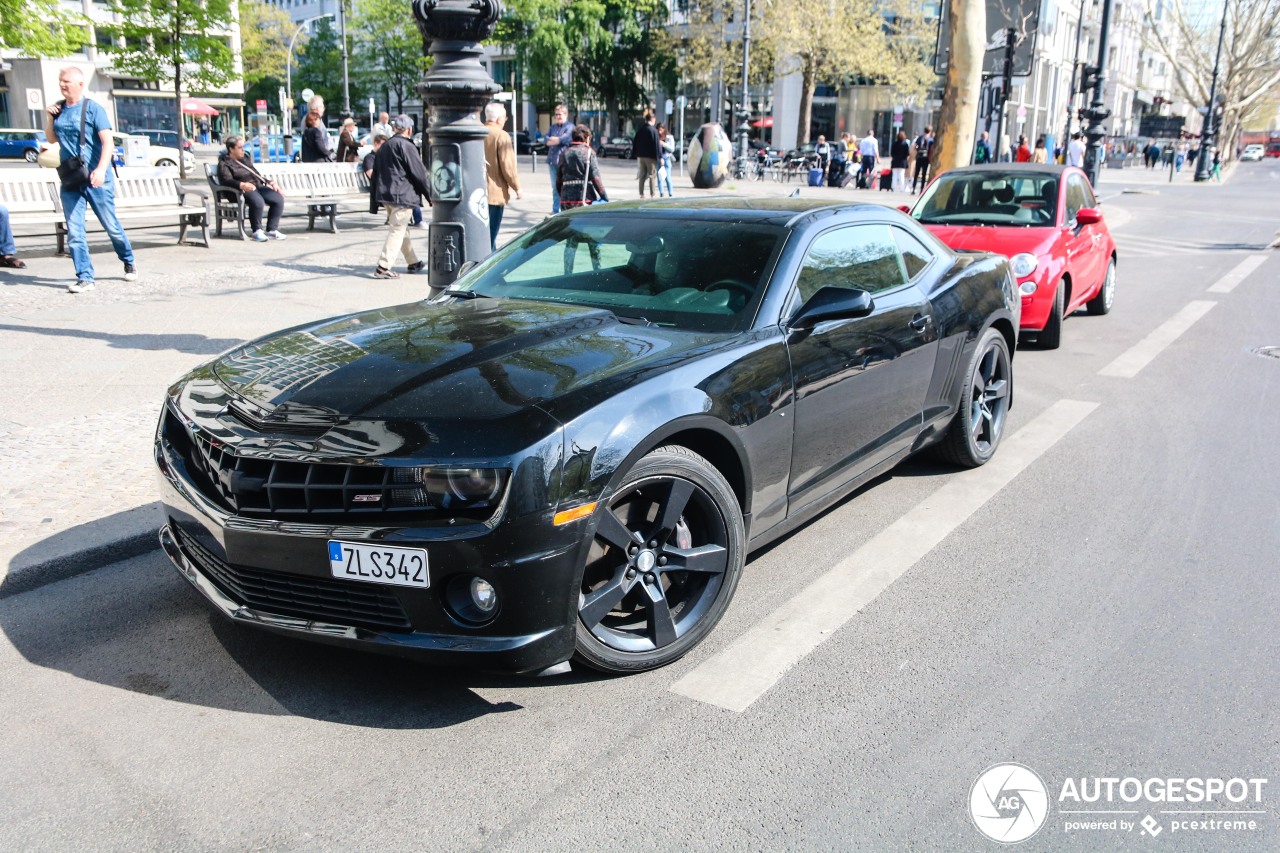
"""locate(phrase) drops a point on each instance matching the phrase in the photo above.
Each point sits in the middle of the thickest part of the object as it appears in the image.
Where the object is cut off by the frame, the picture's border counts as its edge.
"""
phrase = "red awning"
(193, 106)
(767, 121)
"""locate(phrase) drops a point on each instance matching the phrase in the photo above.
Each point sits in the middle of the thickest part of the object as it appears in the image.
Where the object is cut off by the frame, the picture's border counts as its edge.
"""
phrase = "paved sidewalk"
(85, 373)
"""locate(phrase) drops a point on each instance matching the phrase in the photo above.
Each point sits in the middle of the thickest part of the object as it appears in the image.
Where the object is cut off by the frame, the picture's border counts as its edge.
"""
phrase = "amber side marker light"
(565, 516)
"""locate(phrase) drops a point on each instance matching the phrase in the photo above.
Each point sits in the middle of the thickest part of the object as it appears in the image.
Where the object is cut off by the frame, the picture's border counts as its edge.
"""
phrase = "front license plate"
(357, 561)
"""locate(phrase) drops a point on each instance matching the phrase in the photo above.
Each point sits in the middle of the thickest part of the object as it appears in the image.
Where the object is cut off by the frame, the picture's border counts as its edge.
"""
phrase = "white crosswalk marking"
(1131, 361)
(751, 664)
(1228, 282)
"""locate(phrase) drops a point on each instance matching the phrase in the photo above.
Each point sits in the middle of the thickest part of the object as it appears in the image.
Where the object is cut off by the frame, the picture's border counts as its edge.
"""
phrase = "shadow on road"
(194, 344)
(138, 626)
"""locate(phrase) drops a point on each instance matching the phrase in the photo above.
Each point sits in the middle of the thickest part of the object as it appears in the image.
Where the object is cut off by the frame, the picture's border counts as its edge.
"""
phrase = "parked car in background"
(1045, 219)
(24, 144)
(527, 145)
(167, 138)
(569, 452)
(618, 146)
(157, 155)
(1253, 153)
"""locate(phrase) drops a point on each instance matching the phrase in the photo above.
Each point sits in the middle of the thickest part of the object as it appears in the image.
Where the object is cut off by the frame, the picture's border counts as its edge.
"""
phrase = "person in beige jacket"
(500, 173)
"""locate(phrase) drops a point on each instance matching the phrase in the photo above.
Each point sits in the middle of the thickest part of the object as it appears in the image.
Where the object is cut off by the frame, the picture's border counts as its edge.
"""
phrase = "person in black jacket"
(315, 141)
(899, 156)
(235, 169)
(646, 148)
(399, 181)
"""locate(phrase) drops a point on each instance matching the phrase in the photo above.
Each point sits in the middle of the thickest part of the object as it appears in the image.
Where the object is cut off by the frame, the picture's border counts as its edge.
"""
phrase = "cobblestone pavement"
(85, 373)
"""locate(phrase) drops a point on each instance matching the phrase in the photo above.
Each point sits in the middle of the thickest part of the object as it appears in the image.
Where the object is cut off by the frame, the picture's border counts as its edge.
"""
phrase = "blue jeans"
(417, 215)
(666, 165)
(555, 193)
(7, 246)
(103, 201)
(495, 222)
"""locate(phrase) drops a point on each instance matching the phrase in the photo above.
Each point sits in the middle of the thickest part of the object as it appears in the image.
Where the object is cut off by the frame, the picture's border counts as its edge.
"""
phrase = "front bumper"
(275, 576)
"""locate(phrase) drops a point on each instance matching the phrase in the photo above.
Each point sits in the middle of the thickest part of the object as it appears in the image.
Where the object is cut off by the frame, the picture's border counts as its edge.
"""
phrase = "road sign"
(1164, 127)
(261, 105)
(681, 101)
(307, 94)
(35, 99)
(1022, 113)
(670, 107)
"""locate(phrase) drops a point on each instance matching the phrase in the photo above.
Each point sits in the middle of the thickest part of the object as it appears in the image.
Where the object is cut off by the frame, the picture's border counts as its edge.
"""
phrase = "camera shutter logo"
(1009, 803)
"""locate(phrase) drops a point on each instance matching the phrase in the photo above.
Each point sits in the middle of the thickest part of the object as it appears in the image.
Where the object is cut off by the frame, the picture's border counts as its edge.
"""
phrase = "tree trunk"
(958, 118)
(612, 120)
(808, 83)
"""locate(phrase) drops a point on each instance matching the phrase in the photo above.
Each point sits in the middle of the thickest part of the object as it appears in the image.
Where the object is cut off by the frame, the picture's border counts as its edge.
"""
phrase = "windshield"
(991, 198)
(700, 275)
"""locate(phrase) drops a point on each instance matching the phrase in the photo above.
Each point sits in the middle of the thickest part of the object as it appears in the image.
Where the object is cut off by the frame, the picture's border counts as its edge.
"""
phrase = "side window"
(915, 257)
(860, 256)
(1075, 196)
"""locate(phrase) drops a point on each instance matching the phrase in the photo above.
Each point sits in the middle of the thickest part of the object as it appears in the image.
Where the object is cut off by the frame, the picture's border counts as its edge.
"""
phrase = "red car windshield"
(991, 198)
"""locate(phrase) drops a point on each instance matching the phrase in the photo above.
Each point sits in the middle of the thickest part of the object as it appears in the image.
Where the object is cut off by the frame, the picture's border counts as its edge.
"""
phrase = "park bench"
(320, 187)
(142, 192)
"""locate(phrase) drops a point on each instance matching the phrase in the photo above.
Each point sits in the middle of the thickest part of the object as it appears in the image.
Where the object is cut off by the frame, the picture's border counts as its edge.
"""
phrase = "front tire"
(1051, 336)
(31, 155)
(663, 565)
(1101, 303)
(165, 162)
(978, 426)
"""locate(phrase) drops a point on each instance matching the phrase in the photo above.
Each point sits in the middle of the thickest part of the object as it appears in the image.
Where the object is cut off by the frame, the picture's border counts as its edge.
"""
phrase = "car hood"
(1002, 241)
(464, 368)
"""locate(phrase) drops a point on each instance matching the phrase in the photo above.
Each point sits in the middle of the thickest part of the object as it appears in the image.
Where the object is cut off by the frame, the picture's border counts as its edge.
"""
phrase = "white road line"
(751, 664)
(1228, 282)
(1138, 356)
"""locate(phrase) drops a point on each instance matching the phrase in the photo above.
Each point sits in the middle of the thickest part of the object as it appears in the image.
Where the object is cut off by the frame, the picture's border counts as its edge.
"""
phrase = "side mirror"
(905, 208)
(832, 303)
(1088, 216)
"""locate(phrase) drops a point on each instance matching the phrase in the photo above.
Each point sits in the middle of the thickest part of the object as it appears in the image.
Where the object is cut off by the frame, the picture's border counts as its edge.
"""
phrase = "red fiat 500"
(1046, 220)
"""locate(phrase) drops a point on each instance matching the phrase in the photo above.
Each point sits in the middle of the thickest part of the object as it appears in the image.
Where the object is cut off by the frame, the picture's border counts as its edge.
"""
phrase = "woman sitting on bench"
(236, 170)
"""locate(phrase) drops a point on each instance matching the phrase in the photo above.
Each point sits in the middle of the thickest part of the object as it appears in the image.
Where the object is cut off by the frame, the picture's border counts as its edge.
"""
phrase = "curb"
(35, 575)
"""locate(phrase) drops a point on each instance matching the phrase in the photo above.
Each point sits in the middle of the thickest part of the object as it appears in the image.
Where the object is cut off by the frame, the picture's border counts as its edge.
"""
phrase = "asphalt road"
(1103, 605)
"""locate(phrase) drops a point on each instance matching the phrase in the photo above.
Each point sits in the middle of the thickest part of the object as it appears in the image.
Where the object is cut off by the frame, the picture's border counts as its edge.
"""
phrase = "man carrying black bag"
(82, 129)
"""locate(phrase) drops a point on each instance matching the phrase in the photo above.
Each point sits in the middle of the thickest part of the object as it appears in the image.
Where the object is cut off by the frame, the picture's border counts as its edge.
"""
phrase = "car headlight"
(1023, 264)
(449, 488)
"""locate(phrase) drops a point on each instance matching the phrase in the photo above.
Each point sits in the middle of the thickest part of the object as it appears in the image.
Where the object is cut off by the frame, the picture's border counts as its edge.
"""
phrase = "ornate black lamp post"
(1209, 129)
(455, 89)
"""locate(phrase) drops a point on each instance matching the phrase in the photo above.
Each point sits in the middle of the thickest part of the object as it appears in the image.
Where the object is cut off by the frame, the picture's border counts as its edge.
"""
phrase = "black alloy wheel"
(1101, 303)
(663, 565)
(978, 427)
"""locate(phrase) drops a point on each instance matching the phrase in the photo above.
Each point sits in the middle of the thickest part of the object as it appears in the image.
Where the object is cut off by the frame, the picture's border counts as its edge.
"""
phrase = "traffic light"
(1088, 77)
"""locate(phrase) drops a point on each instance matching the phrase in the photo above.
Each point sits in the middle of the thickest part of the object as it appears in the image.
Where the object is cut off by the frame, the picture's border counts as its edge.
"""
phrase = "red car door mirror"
(1088, 216)
(904, 208)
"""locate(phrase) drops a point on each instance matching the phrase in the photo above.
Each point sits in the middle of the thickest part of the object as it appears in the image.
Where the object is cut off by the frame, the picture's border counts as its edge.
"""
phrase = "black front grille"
(343, 602)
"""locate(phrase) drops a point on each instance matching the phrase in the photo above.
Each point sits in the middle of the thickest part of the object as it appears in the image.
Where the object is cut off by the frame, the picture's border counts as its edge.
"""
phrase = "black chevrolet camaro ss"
(571, 452)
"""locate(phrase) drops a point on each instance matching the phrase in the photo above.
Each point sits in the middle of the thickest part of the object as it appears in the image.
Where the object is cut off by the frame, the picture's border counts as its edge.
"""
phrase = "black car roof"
(773, 211)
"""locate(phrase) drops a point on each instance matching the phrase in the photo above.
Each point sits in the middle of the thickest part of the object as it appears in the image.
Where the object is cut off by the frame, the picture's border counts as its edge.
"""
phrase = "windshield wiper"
(634, 321)
(464, 294)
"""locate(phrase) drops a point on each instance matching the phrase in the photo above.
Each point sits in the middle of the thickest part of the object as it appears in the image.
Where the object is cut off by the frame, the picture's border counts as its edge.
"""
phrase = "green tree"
(613, 66)
(41, 28)
(545, 35)
(320, 68)
(178, 41)
(390, 47)
(265, 31)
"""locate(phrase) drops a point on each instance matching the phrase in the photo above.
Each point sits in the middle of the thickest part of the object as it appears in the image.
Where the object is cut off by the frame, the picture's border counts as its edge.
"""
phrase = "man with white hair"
(82, 129)
(501, 175)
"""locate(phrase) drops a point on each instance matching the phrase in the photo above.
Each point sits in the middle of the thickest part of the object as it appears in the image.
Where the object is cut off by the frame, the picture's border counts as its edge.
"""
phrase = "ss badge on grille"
(366, 499)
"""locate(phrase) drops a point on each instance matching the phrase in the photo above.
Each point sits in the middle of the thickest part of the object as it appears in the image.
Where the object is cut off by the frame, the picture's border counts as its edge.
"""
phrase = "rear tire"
(1051, 336)
(31, 155)
(1101, 304)
(978, 426)
(165, 162)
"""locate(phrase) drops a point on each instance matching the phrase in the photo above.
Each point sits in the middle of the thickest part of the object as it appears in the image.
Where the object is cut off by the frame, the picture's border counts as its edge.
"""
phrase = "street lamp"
(1208, 129)
(288, 62)
(743, 143)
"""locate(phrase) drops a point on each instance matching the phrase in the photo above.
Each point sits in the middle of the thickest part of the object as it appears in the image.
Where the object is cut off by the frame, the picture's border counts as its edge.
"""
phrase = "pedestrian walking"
(823, 150)
(367, 165)
(501, 175)
(382, 126)
(204, 131)
(1075, 150)
(578, 173)
(924, 156)
(899, 155)
(236, 169)
(646, 148)
(1217, 164)
(668, 143)
(82, 130)
(401, 182)
(1022, 154)
(348, 146)
(982, 151)
(559, 138)
(869, 149)
(1040, 154)
(8, 258)
(315, 142)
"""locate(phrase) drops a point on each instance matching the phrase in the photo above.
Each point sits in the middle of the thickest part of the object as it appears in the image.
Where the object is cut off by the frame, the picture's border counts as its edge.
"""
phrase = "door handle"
(920, 322)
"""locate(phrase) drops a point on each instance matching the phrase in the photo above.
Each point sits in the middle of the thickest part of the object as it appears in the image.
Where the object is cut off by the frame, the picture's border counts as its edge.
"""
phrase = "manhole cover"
(1267, 352)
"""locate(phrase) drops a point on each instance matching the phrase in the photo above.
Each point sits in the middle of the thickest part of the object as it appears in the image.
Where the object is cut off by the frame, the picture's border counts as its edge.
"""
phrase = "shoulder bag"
(74, 172)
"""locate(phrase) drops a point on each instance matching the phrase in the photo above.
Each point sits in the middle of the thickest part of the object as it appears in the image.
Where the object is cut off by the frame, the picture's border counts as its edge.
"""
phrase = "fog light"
(1027, 287)
(483, 595)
